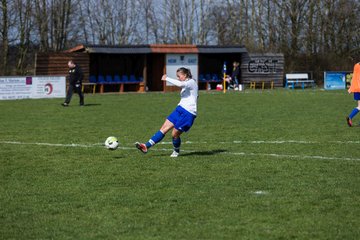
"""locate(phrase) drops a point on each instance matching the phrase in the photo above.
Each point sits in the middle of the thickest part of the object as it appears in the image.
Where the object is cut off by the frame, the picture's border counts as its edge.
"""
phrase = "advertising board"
(32, 87)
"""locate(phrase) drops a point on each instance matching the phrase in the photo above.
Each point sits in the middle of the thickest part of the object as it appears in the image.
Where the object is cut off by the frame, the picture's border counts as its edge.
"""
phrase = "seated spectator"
(235, 76)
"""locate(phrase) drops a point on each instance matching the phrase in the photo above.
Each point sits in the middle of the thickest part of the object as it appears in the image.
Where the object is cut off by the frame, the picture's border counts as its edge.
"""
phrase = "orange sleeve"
(355, 82)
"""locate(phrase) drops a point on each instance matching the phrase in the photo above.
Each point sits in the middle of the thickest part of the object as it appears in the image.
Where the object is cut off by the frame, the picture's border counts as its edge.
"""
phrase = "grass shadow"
(91, 104)
(193, 153)
(204, 153)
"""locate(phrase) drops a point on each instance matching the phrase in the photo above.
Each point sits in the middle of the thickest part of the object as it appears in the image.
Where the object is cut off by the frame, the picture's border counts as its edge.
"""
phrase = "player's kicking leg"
(142, 147)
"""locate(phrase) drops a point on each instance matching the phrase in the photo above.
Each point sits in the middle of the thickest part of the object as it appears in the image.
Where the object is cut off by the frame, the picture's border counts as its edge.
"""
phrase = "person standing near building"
(182, 118)
(235, 75)
(75, 83)
(355, 88)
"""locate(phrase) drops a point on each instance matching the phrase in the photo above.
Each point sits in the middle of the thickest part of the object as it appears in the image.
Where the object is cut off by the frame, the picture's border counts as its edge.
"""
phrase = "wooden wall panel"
(263, 67)
(56, 63)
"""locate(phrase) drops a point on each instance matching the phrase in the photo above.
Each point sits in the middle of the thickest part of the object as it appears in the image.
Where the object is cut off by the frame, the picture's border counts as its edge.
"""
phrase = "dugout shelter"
(140, 67)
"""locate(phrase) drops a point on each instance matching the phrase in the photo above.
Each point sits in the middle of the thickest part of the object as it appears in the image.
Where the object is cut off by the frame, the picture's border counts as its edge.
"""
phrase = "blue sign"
(335, 80)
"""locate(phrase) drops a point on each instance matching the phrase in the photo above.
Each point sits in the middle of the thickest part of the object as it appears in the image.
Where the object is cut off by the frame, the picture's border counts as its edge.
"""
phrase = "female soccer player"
(182, 118)
(355, 88)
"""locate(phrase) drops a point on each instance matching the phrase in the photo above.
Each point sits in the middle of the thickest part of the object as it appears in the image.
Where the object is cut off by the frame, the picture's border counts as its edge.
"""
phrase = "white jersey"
(189, 94)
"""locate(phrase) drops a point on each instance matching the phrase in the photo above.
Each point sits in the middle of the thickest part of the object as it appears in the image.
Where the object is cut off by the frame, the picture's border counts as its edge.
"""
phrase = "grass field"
(277, 164)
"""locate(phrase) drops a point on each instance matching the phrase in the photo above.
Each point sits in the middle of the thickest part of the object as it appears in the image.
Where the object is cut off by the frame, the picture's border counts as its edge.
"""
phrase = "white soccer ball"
(111, 143)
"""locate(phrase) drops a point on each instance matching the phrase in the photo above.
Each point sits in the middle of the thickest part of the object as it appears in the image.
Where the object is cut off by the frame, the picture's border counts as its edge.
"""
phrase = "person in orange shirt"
(355, 88)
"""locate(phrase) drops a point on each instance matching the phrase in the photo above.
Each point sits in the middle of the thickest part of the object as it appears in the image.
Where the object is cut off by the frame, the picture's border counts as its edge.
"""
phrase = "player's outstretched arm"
(173, 81)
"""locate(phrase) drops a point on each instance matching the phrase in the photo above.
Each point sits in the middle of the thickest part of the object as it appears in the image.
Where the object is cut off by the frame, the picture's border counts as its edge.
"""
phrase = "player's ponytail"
(185, 71)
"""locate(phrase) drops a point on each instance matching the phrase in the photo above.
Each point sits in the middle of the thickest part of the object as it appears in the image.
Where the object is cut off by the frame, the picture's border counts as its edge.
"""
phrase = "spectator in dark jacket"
(235, 75)
(75, 83)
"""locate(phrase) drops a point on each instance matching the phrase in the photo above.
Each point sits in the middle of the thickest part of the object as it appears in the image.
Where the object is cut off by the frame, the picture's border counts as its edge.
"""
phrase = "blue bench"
(298, 79)
(109, 80)
(129, 80)
(209, 78)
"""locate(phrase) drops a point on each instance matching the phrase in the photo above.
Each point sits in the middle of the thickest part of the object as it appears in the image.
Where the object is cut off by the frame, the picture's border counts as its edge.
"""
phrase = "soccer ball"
(111, 143)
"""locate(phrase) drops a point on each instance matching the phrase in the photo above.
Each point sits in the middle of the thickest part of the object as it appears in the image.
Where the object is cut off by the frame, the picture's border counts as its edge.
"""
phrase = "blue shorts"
(356, 96)
(182, 119)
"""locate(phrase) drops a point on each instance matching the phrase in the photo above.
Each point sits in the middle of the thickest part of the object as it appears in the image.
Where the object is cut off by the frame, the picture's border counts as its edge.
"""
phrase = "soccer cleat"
(142, 147)
(65, 104)
(174, 154)
(349, 122)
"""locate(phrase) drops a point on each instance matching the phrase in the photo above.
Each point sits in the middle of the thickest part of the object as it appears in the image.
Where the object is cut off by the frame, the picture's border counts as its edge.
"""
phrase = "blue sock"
(353, 113)
(176, 143)
(158, 136)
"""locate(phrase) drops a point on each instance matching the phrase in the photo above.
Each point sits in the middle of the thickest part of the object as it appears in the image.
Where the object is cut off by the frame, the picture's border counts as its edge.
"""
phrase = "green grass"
(256, 165)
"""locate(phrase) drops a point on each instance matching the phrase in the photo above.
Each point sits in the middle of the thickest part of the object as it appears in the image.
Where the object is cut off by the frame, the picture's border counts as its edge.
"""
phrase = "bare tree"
(203, 22)
(188, 21)
(260, 26)
(311, 29)
(128, 16)
(53, 20)
(174, 18)
(326, 28)
(233, 21)
(4, 35)
(271, 24)
(86, 22)
(24, 26)
(220, 23)
(114, 22)
(338, 22)
(296, 10)
(150, 20)
(42, 18)
(61, 11)
(178, 21)
(346, 27)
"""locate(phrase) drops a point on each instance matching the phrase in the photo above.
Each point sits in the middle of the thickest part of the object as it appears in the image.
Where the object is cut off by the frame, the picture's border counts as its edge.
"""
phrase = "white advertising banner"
(175, 61)
(32, 87)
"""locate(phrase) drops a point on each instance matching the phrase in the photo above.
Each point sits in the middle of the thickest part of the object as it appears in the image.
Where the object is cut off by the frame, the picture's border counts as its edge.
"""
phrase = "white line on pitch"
(270, 142)
(190, 142)
(260, 192)
(52, 144)
(274, 155)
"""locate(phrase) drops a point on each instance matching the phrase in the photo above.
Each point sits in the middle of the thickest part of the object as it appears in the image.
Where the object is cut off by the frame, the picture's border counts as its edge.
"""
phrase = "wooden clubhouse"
(140, 67)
